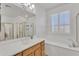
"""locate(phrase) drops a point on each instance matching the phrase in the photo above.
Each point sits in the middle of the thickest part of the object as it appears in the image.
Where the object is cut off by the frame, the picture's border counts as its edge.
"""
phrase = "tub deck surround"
(61, 48)
(12, 47)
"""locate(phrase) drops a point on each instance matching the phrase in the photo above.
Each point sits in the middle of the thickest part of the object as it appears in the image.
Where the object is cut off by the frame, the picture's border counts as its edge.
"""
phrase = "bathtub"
(57, 49)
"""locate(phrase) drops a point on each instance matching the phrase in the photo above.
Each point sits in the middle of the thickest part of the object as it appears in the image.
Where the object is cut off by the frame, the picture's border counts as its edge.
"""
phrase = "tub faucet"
(74, 43)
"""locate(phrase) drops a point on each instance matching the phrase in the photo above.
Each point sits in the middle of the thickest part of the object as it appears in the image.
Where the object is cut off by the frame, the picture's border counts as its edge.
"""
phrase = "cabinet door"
(43, 50)
(32, 54)
(38, 52)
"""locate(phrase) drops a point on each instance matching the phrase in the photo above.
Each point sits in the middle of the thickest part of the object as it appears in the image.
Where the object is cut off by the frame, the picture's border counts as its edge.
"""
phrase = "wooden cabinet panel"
(35, 47)
(32, 54)
(38, 52)
(43, 47)
(43, 50)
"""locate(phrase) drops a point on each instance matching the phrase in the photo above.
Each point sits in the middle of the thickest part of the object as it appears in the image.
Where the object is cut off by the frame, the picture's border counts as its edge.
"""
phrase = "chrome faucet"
(74, 43)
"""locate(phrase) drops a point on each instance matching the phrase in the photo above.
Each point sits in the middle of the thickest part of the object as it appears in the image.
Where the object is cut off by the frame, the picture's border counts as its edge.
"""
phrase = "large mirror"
(16, 30)
(15, 22)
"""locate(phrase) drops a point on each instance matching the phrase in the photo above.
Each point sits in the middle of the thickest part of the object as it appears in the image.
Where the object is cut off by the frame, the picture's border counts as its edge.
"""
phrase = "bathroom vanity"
(23, 47)
(36, 50)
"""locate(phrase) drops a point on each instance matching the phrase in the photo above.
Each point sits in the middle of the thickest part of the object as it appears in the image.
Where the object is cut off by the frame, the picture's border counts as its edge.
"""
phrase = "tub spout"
(74, 44)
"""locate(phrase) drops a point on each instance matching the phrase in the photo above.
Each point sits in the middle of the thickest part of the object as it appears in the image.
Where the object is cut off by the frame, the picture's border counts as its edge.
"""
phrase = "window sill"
(60, 33)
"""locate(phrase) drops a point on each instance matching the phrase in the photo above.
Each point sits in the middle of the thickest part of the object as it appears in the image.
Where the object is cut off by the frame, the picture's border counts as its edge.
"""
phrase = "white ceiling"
(13, 10)
(48, 6)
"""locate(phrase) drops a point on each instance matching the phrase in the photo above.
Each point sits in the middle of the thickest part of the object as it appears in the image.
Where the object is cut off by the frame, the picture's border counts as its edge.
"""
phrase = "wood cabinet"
(36, 50)
(32, 54)
(43, 48)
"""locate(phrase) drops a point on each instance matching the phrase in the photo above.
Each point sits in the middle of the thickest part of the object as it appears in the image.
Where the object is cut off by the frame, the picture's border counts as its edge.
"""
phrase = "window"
(61, 22)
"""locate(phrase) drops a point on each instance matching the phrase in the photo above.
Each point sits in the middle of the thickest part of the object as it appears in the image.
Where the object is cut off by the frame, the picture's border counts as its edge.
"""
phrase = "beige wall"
(62, 37)
(40, 21)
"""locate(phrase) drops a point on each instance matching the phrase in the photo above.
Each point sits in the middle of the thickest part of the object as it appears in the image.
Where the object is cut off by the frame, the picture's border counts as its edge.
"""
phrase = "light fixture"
(29, 6)
(33, 6)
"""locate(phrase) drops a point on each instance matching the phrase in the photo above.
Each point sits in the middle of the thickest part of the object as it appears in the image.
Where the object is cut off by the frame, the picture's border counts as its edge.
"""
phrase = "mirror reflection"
(13, 31)
(15, 22)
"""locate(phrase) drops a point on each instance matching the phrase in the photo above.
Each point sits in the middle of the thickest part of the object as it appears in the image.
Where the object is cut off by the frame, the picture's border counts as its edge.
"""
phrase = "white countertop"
(12, 47)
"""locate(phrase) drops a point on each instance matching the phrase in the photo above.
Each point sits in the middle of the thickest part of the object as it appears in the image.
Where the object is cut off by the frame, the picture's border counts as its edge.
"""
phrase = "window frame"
(60, 24)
